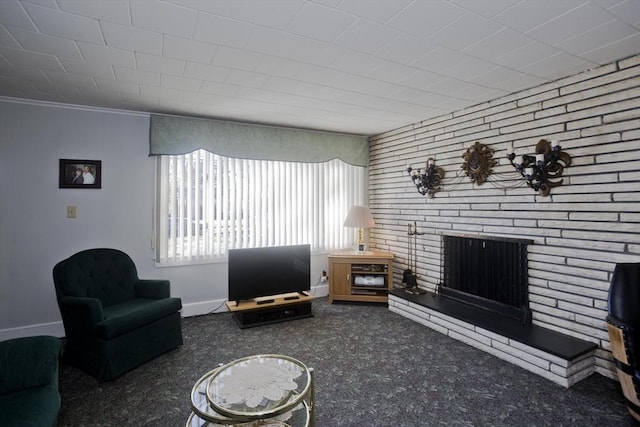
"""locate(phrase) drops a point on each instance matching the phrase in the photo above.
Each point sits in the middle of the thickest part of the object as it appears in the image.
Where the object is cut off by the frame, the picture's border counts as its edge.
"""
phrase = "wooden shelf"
(344, 267)
(268, 310)
(260, 303)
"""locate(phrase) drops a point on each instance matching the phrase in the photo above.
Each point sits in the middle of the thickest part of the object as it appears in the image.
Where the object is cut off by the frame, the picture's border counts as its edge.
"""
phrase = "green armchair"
(113, 320)
(29, 395)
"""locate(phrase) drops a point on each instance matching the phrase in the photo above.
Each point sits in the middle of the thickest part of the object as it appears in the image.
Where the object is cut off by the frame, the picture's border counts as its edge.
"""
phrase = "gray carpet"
(372, 368)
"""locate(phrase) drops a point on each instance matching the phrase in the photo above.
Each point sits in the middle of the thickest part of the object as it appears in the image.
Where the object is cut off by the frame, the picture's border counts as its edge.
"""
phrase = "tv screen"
(259, 272)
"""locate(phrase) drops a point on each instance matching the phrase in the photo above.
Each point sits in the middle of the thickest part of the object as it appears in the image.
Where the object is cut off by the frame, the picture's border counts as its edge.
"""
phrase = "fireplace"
(487, 272)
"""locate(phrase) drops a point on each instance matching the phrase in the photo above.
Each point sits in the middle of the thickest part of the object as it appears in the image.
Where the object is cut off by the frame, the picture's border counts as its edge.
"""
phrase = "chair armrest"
(29, 362)
(80, 316)
(153, 289)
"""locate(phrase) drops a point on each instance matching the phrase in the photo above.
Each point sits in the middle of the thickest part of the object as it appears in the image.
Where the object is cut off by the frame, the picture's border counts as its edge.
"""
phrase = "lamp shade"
(359, 216)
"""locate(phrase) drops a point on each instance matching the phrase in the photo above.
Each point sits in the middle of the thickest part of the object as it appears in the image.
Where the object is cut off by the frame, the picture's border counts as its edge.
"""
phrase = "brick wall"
(581, 230)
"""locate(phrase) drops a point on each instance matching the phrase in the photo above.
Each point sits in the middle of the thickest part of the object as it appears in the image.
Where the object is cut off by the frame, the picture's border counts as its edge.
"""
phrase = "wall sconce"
(427, 181)
(539, 170)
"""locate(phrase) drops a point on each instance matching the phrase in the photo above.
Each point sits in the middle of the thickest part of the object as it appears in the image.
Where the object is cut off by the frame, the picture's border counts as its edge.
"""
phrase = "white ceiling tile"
(31, 59)
(66, 79)
(528, 54)
(136, 39)
(222, 31)
(236, 58)
(379, 11)
(163, 17)
(91, 69)
(356, 62)
(116, 11)
(468, 69)
(366, 36)
(627, 11)
(526, 15)
(273, 42)
(116, 86)
(205, 72)
(38, 42)
(7, 39)
(486, 8)
(196, 97)
(217, 88)
(465, 31)
(160, 92)
(496, 77)
(613, 51)
(65, 25)
(160, 64)
(420, 79)
(108, 55)
(392, 72)
(278, 67)
(12, 13)
(363, 66)
(597, 37)
(245, 78)
(406, 48)
(188, 50)
(316, 74)
(317, 52)
(320, 23)
(273, 13)
(560, 64)
(576, 21)
(130, 75)
(330, 3)
(425, 18)
(28, 73)
(298, 88)
(182, 83)
(441, 59)
(497, 44)
(520, 82)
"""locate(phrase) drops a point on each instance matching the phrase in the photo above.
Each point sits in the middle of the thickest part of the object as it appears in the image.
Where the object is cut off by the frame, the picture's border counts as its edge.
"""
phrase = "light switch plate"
(71, 211)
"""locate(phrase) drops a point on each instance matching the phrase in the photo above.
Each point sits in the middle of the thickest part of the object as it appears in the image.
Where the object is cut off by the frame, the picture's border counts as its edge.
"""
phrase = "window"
(208, 204)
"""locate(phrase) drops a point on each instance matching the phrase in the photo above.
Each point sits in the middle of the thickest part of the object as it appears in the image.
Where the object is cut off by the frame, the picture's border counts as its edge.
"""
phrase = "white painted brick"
(491, 335)
(474, 340)
(587, 225)
(538, 354)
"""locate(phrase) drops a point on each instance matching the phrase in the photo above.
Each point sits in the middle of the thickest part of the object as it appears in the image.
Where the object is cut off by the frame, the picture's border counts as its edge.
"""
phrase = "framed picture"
(80, 173)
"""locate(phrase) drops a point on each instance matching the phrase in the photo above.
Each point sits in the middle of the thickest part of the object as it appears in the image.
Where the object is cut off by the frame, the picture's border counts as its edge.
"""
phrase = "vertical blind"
(208, 204)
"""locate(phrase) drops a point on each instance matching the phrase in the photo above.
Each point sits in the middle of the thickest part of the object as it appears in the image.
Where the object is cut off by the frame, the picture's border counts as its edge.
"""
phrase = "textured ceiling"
(355, 66)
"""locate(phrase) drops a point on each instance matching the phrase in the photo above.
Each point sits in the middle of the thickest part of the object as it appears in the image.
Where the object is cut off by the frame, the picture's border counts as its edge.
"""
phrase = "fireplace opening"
(487, 272)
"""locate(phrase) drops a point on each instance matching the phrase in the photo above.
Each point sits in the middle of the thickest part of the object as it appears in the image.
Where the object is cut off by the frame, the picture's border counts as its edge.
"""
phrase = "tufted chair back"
(105, 274)
(623, 324)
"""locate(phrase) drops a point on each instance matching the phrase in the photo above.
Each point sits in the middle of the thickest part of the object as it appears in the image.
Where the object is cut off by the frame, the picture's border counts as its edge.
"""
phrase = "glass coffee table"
(262, 390)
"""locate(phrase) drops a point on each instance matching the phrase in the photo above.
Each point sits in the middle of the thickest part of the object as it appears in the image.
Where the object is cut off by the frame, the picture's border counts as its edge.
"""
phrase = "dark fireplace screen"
(487, 272)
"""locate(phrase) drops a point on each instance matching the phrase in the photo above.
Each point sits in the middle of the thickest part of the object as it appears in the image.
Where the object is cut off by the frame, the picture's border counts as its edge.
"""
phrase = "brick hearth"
(560, 358)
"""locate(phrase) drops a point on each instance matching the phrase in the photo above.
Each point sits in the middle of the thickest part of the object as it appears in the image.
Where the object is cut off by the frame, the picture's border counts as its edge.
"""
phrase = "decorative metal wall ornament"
(478, 162)
(427, 181)
(539, 170)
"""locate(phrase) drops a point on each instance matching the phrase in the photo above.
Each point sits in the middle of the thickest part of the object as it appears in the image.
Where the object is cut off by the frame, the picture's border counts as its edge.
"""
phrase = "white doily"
(250, 384)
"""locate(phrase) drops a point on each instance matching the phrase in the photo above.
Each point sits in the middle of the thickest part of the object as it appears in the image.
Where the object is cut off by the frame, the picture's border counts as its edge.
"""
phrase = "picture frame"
(76, 173)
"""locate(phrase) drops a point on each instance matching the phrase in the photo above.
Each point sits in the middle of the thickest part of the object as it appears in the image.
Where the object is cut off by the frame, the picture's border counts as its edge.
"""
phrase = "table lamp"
(360, 217)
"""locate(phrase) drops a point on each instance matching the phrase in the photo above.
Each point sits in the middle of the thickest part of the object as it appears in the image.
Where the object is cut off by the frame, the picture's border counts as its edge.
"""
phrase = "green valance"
(180, 135)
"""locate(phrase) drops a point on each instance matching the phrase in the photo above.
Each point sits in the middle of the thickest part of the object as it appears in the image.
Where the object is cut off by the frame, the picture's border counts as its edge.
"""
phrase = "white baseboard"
(56, 329)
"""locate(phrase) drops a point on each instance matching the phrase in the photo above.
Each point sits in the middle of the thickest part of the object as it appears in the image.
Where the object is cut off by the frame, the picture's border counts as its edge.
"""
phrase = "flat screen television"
(260, 272)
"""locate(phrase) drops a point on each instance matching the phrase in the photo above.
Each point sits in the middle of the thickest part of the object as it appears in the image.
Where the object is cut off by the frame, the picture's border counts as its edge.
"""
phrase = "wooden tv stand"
(272, 309)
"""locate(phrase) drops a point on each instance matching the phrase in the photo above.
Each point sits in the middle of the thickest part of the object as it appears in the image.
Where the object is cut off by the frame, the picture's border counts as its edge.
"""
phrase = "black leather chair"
(113, 320)
(623, 323)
